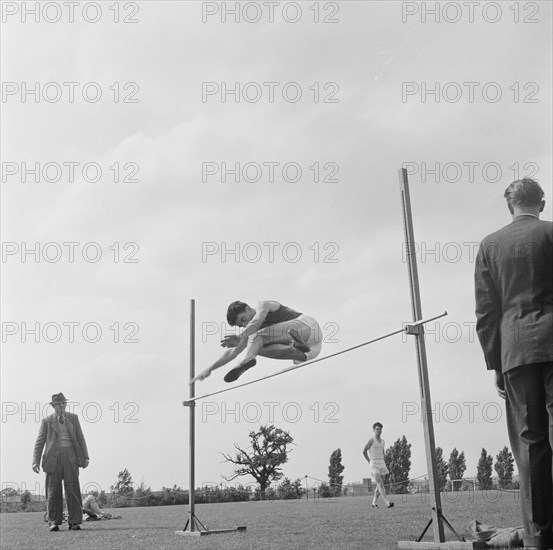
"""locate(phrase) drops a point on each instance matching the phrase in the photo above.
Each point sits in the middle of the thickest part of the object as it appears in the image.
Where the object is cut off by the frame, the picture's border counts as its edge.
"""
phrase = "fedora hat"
(58, 398)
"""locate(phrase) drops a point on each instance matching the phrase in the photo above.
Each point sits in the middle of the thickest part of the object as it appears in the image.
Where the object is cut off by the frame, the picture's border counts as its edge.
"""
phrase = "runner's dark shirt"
(283, 313)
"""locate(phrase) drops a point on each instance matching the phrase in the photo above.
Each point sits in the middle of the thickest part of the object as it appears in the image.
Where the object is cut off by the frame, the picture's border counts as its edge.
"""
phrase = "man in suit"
(65, 451)
(514, 310)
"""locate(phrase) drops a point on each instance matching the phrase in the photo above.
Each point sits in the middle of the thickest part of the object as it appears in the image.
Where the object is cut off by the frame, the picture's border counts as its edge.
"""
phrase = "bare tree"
(269, 451)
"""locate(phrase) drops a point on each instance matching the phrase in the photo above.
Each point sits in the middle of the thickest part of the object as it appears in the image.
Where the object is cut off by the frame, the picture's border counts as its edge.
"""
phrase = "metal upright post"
(194, 527)
(192, 420)
(193, 522)
(426, 405)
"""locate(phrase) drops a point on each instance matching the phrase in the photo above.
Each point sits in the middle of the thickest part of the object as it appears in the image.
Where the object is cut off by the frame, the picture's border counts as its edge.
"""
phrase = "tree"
(504, 466)
(335, 468)
(288, 489)
(442, 467)
(143, 496)
(9, 492)
(175, 495)
(324, 490)
(124, 486)
(398, 462)
(237, 494)
(25, 499)
(484, 472)
(269, 451)
(457, 466)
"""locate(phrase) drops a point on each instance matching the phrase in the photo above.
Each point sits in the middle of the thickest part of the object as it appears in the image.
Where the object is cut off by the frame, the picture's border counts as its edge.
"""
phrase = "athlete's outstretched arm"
(227, 356)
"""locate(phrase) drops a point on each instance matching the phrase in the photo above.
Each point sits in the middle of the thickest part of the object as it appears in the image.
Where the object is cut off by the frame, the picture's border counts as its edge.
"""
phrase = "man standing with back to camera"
(514, 310)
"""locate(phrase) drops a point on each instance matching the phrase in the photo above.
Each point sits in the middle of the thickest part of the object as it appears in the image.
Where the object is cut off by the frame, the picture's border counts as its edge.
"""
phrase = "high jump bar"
(409, 329)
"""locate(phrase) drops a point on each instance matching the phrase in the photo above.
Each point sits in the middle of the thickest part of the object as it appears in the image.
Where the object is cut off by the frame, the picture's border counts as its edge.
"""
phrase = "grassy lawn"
(334, 524)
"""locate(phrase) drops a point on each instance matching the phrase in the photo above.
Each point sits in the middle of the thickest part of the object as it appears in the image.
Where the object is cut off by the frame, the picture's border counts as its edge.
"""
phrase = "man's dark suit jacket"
(514, 294)
(48, 435)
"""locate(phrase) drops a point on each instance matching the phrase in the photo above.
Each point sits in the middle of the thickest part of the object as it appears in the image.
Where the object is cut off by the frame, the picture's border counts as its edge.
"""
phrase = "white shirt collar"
(525, 214)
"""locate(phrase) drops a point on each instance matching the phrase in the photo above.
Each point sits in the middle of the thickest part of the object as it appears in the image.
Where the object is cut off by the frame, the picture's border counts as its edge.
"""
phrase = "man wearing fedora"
(65, 451)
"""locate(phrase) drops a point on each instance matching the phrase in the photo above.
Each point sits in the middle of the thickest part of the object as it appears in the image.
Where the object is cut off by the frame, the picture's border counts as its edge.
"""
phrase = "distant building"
(360, 489)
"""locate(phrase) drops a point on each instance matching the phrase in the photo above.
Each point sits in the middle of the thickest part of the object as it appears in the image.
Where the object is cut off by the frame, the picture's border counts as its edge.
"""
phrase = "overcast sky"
(184, 154)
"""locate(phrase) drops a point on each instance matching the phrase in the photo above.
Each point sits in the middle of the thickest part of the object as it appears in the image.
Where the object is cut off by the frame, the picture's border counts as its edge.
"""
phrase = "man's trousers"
(67, 470)
(529, 391)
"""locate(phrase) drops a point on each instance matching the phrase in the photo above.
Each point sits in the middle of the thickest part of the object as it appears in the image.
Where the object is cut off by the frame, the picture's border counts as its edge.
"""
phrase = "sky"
(167, 151)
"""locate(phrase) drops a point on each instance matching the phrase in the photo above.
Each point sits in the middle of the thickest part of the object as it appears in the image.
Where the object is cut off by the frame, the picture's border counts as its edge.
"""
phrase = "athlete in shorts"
(377, 466)
(271, 330)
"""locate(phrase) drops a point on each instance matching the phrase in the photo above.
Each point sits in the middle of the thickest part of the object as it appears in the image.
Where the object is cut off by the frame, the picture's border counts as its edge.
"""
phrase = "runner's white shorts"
(315, 341)
(305, 325)
(378, 466)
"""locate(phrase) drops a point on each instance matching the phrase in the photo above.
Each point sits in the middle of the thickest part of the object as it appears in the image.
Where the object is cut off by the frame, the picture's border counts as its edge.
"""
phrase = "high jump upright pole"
(194, 527)
(426, 405)
(192, 421)
(193, 522)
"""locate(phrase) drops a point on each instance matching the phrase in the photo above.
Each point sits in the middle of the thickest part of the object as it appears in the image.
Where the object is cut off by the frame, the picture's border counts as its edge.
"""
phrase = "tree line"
(456, 466)
(398, 461)
(269, 449)
(125, 493)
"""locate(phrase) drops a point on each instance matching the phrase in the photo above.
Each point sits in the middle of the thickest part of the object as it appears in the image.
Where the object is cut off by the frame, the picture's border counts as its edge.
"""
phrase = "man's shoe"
(238, 371)
(54, 527)
(74, 527)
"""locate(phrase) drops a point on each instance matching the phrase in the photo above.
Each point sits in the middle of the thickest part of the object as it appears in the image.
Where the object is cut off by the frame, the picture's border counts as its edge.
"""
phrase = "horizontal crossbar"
(408, 328)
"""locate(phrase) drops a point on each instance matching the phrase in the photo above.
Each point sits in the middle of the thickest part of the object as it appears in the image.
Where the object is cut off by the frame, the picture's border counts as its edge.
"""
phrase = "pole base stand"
(240, 529)
(452, 545)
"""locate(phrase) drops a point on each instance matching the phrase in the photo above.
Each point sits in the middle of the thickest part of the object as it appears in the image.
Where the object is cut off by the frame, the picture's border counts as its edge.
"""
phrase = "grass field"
(334, 524)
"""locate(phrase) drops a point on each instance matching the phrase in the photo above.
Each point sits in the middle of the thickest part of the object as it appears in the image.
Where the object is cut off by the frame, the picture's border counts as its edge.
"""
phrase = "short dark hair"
(524, 192)
(377, 424)
(233, 310)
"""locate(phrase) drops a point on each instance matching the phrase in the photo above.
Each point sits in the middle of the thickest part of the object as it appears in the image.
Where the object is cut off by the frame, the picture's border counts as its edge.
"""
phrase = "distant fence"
(14, 504)
(311, 489)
